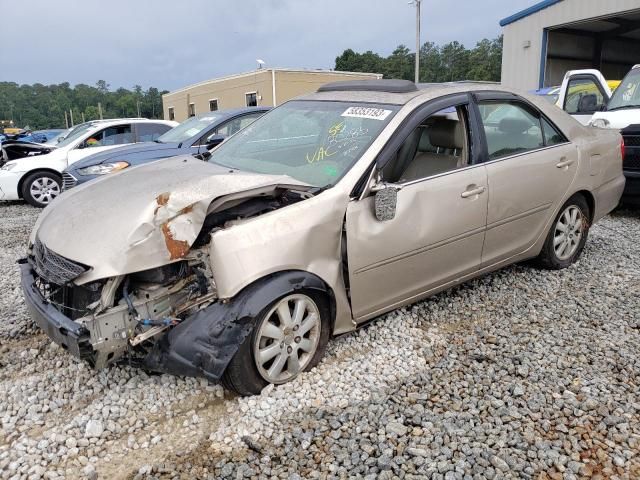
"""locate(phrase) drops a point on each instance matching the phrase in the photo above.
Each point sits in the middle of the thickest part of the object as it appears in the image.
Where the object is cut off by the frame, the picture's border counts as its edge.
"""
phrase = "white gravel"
(520, 374)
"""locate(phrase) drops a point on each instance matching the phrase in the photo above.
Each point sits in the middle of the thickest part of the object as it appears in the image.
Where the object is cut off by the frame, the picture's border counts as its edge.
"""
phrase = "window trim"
(189, 115)
(255, 92)
(217, 100)
(171, 110)
(511, 97)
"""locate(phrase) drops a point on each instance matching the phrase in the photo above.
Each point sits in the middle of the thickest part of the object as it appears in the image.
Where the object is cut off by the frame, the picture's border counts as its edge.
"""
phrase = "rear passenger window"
(510, 128)
(551, 135)
(148, 132)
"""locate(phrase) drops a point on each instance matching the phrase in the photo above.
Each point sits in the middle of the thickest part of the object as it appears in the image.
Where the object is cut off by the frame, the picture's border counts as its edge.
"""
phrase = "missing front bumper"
(70, 335)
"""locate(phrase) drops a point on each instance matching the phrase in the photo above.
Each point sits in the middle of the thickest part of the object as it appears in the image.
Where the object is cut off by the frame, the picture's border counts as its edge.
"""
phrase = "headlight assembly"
(103, 168)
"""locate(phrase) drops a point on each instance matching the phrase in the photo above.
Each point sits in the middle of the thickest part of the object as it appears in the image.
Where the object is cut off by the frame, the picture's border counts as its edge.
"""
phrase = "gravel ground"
(519, 374)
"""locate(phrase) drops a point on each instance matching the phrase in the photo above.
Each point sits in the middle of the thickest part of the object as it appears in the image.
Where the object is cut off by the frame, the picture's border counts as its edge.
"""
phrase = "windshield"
(312, 141)
(76, 133)
(627, 94)
(188, 129)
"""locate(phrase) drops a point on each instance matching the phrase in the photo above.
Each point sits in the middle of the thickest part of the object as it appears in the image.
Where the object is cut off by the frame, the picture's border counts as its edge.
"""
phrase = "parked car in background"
(38, 179)
(327, 212)
(577, 85)
(41, 136)
(195, 135)
(29, 144)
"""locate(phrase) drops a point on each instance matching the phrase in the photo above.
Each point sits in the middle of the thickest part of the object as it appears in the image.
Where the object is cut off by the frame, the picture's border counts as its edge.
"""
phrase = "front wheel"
(288, 338)
(567, 236)
(41, 188)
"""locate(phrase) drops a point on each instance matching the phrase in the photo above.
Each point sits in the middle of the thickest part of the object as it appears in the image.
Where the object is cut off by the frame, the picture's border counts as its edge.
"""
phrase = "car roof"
(230, 112)
(425, 91)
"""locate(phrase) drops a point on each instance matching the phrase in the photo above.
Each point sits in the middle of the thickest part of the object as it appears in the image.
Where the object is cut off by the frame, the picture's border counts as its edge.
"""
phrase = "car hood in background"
(136, 151)
(146, 216)
(619, 119)
(14, 149)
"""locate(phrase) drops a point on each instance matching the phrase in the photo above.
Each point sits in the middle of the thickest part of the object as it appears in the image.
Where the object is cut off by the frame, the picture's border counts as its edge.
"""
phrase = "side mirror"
(386, 200)
(214, 140)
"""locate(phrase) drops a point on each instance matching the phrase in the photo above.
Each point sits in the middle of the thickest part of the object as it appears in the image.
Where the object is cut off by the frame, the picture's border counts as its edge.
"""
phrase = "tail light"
(622, 147)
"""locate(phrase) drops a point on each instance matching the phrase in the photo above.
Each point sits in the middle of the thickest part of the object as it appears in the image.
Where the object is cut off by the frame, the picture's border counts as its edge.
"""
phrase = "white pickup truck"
(586, 95)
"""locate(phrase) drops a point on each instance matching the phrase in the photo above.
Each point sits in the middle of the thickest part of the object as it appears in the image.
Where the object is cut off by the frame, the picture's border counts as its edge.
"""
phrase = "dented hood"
(146, 216)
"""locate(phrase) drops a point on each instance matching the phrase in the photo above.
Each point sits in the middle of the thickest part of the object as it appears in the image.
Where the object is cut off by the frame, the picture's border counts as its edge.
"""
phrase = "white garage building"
(544, 41)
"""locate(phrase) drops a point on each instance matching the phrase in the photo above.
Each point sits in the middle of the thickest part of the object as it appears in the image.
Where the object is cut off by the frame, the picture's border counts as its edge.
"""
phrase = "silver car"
(328, 211)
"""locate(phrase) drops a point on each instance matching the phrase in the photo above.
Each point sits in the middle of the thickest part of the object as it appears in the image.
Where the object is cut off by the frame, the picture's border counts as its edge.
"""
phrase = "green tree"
(444, 63)
(44, 106)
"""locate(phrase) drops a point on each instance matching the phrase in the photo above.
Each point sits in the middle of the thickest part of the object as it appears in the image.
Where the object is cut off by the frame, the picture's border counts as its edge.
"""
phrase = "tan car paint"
(420, 248)
(439, 246)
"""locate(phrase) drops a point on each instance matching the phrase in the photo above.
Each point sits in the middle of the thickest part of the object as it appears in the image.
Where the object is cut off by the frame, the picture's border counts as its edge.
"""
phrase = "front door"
(583, 93)
(530, 166)
(437, 233)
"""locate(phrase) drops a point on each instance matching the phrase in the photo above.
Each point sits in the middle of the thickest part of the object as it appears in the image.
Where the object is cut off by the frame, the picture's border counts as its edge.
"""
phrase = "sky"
(169, 44)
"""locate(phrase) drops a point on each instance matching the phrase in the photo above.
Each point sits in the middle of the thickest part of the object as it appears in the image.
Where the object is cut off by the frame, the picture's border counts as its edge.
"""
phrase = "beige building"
(552, 36)
(264, 87)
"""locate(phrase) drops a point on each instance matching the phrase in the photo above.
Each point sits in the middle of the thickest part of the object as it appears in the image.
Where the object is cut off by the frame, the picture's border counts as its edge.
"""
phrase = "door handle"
(564, 162)
(472, 192)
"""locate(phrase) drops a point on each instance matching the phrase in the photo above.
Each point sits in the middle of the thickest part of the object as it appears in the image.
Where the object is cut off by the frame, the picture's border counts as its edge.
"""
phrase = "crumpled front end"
(109, 320)
(108, 277)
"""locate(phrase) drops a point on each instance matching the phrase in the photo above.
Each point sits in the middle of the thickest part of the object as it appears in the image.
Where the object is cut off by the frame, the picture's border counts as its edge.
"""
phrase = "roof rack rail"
(387, 86)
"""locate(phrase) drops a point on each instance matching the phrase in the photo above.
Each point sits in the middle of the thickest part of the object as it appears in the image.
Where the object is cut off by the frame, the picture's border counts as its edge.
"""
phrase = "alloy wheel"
(44, 190)
(287, 338)
(568, 232)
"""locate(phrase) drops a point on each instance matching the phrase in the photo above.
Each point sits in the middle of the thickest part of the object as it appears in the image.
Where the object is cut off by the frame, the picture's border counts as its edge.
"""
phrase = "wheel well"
(591, 202)
(305, 280)
(31, 172)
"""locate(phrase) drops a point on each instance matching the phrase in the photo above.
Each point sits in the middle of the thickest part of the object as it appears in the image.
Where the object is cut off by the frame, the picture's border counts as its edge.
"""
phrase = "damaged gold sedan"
(323, 214)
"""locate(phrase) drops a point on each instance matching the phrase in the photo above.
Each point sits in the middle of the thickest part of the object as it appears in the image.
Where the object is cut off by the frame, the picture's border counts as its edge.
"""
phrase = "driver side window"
(117, 135)
(438, 145)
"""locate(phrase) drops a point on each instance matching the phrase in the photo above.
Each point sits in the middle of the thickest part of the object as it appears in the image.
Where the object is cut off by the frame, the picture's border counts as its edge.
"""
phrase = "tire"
(245, 376)
(41, 188)
(562, 249)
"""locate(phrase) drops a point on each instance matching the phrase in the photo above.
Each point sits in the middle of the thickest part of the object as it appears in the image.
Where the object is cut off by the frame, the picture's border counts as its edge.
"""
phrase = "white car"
(38, 179)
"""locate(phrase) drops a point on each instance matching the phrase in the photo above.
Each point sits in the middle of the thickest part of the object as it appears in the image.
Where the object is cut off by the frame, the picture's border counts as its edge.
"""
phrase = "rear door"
(583, 92)
(530, 166)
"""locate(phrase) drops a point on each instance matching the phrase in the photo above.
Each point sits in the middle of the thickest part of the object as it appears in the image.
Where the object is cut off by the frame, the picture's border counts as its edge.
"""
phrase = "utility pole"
(66, 121)
(100, 109)
(417, 2)
(138, 104)
(71, 116)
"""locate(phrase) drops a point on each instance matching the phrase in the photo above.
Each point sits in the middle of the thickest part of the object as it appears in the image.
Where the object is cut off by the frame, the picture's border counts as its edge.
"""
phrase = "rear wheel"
(41, 188)
(567, 236)
(289, 337)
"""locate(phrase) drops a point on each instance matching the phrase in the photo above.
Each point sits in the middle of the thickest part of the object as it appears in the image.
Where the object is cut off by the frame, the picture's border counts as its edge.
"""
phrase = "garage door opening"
(610, 44)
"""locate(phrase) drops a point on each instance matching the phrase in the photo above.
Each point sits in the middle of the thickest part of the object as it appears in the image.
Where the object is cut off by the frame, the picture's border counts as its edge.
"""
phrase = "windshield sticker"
(366, 112)
(192, 131)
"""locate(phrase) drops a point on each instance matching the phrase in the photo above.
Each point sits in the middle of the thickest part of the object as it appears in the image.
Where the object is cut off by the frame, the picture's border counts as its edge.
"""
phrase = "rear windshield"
(315, 142)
